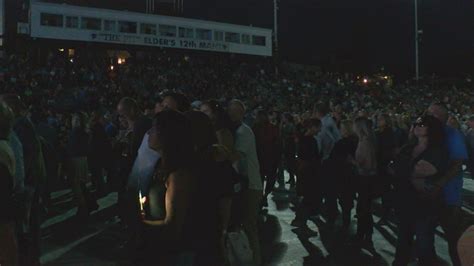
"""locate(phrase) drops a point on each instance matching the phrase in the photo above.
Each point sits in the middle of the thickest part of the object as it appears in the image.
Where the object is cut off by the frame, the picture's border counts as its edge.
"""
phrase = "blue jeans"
(423, 227)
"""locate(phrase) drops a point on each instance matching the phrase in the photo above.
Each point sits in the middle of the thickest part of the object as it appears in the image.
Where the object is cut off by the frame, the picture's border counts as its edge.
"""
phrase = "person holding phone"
(415, 168)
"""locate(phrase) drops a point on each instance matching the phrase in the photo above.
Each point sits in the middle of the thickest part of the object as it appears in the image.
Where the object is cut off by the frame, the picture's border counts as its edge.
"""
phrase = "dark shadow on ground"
(270, 236)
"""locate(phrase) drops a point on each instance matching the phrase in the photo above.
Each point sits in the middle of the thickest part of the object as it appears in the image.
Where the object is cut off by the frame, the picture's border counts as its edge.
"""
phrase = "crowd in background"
(194, 145)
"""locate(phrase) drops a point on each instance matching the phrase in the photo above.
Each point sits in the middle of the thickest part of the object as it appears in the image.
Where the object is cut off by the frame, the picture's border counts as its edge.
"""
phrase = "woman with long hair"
(8, 239)
(224, 154)
(365, 162)
(268, 151)
(418, 164)
(169, 225)
(343, 171)
(78, 169)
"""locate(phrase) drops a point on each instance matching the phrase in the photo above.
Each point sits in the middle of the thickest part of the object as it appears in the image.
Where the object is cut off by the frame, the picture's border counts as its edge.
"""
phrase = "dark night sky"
(360, 35)
(354, 35)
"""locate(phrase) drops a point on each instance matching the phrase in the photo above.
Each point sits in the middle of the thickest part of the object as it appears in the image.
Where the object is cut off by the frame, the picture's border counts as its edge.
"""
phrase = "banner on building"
(159, 41)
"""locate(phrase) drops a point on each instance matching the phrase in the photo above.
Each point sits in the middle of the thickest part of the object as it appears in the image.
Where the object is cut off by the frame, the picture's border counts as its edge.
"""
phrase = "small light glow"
(71, 60)
(112, 67)
(61, 49)
(121, 61)
(386, 77)
(365, 81)
(141, 200)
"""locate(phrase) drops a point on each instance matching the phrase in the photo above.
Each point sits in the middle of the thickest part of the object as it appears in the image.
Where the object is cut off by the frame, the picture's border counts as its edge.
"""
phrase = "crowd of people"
(195, 145)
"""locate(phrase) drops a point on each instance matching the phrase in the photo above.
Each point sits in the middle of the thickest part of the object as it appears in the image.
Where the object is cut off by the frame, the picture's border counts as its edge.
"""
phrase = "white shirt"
(17, 148)
(143, 167)
(328, 136)
(248, 164)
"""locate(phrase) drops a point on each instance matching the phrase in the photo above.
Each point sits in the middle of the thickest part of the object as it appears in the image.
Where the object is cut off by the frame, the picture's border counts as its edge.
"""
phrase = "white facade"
(66, 22)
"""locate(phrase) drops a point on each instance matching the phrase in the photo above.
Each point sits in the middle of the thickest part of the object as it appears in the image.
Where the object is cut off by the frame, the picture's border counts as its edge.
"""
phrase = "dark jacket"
(78, 145)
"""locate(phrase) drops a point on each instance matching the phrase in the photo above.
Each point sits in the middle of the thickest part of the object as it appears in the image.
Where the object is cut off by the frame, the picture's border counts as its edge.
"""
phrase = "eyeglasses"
(419, 124)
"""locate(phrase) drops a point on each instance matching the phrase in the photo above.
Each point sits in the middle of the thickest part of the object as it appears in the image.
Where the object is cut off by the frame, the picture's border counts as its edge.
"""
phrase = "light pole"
(417, 43)
(275, 34)
(275, 24)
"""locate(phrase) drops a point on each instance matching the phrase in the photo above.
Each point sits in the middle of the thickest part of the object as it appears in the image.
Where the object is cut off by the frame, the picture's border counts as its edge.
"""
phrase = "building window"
(204, 34)
(218, 36)
(52, 20)
(232, 37)
(259, 40)
(72, 22)
(91, 23)
(167, 31)
(186, 33)
(245, 39)
(110, 25)
(146, 28)
(127, 27)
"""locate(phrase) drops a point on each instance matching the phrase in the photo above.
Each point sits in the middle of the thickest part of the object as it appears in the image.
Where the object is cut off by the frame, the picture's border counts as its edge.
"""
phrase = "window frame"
(186, 31)
(164, 33)
(90, 18)
(154, 28)
(249, 42)
(42, 19)
(254, 42)
(208, 38)
(114, 23)
(133, 23)
(222, 35)
(229, 39)
(68, 19)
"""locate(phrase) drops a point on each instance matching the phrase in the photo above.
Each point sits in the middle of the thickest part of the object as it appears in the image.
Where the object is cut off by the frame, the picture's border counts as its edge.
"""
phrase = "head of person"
(203, 133)
(158, 106)
(171, 136)
(237, 111)
(321, 110)
(384, 121)
(128, 108)
(6, 120)
(176, 101)
(470, 122)
(97, 117)
(363, 128)
(454, 122)
(262, 118)
(15, 103)
(78, 120)
(431, 128)
(218, 115)
(346, 128)
(288, 118)
(439, 111)
(363, 113)
(312, 126)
